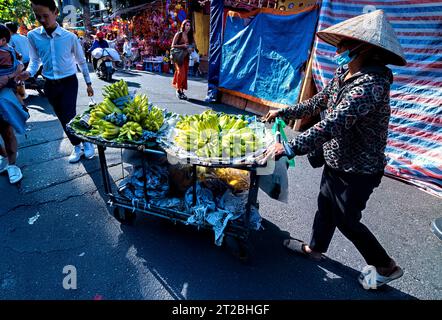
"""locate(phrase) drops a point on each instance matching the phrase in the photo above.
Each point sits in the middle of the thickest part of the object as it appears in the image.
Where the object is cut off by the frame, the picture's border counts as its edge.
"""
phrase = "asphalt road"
(58, 217)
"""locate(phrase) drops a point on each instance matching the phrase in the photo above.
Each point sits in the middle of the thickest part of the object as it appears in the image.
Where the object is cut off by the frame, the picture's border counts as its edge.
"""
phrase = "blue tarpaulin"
(263, 55)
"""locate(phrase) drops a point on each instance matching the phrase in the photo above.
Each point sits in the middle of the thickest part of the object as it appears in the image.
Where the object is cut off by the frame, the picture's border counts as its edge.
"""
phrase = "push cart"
(125, 210)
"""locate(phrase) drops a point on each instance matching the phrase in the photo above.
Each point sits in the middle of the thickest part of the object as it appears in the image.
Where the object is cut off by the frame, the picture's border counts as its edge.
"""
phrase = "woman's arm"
(175, 42)
(307, 108)
(338, 122)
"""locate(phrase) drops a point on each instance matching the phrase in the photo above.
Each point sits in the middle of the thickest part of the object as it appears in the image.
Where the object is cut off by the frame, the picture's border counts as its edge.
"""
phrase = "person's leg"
(10, 140)
(324, 224)
(176, 80)
(94, 63)
(183, 79)
(67, 109)
(352, 192)
(63, 98)
(3, 152)
(3, 158)
(8, 134)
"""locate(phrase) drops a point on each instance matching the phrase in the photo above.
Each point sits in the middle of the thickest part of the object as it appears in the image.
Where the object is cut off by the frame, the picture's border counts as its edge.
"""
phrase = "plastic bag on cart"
(229, 207)
(170, 203)
(237, 203)
(219, 220)
(204, 204)
(276, 184)
(157, 185)
(247, 141)
(237, 179)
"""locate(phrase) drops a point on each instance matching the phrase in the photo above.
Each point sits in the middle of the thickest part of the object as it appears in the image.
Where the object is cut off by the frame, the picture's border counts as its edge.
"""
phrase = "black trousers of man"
(62, 95)
(341, 199)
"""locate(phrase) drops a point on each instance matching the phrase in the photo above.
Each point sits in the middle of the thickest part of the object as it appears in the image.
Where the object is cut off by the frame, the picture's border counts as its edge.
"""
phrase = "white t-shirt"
(111, 43)
(127, 49)
(21, 45)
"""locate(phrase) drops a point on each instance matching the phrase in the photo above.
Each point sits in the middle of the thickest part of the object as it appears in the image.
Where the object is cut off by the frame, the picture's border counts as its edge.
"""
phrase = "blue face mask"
(343, 58)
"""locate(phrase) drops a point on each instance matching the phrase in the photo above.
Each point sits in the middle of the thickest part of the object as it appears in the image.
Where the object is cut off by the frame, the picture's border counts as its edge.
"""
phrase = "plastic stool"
(156, 66)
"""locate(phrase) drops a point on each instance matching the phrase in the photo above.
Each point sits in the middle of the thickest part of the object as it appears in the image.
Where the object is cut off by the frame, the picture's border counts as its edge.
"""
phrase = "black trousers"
(341, 199)
(62, 95)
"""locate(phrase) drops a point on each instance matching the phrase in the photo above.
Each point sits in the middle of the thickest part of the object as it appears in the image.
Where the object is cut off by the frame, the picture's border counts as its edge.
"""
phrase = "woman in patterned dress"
(352, 136)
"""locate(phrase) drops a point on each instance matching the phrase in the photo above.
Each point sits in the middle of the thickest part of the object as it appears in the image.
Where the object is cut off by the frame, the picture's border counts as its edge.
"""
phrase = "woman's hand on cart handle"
(275, 152)
(270, 116)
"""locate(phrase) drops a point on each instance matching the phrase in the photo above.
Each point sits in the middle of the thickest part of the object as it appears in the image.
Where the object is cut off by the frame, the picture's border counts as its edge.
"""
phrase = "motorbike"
(105, 68)
(106, 57)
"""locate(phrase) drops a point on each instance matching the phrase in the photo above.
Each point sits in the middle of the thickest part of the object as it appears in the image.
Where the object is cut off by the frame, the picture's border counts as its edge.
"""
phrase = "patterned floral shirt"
(353, 132)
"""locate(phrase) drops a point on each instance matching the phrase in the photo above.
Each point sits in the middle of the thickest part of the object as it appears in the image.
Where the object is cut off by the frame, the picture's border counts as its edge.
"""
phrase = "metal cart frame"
(125, 211)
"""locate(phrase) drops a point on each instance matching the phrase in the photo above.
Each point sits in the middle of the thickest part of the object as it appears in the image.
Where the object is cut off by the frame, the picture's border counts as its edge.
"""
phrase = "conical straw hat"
(372, 28)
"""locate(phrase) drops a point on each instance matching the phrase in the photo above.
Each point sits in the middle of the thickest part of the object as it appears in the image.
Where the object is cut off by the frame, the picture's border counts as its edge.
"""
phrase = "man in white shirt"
(18, 42)
(58, 50)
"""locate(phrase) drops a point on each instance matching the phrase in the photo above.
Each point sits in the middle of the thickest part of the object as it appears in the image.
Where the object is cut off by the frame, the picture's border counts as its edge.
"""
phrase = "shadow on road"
(190, 266)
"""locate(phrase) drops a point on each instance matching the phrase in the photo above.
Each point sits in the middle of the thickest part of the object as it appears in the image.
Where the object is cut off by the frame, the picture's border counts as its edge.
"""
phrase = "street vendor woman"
(58, 50)
(352, 136)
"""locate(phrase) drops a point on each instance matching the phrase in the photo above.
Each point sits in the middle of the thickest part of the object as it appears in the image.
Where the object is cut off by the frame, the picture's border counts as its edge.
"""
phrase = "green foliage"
(15, 10)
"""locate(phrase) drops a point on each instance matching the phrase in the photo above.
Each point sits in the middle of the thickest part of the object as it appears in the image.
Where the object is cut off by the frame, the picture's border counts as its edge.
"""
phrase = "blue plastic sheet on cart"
(215, 211)
(237, 203)
(219, 213)
(157, 183)
(204, 204)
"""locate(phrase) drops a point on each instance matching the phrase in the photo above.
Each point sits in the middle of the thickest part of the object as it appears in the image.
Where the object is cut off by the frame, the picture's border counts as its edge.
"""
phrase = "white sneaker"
(76, 154)
(14, 173)
(89, 150)
(3, 164)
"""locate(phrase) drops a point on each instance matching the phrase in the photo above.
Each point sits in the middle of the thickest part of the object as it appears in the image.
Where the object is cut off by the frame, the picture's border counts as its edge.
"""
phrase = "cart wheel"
(124, 215)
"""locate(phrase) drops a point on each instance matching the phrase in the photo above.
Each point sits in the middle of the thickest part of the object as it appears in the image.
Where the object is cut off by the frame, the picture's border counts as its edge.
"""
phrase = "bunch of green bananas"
(116, 90)
(111, 131)
(137, 109)
(131, 131)
(212, 135)
(105, 129)
(154, 119)
(103, 109)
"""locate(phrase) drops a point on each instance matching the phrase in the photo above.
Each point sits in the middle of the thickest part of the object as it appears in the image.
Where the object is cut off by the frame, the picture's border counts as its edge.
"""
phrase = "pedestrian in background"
(58, 50)
(195, 57)
(12, 115)
(19, 43)
(182, 40)
(87, 44)
(127, 53)
(99, 42)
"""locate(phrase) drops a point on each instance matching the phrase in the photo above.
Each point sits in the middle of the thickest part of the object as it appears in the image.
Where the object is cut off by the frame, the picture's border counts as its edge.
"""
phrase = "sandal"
(369, 278)
(298, 246)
